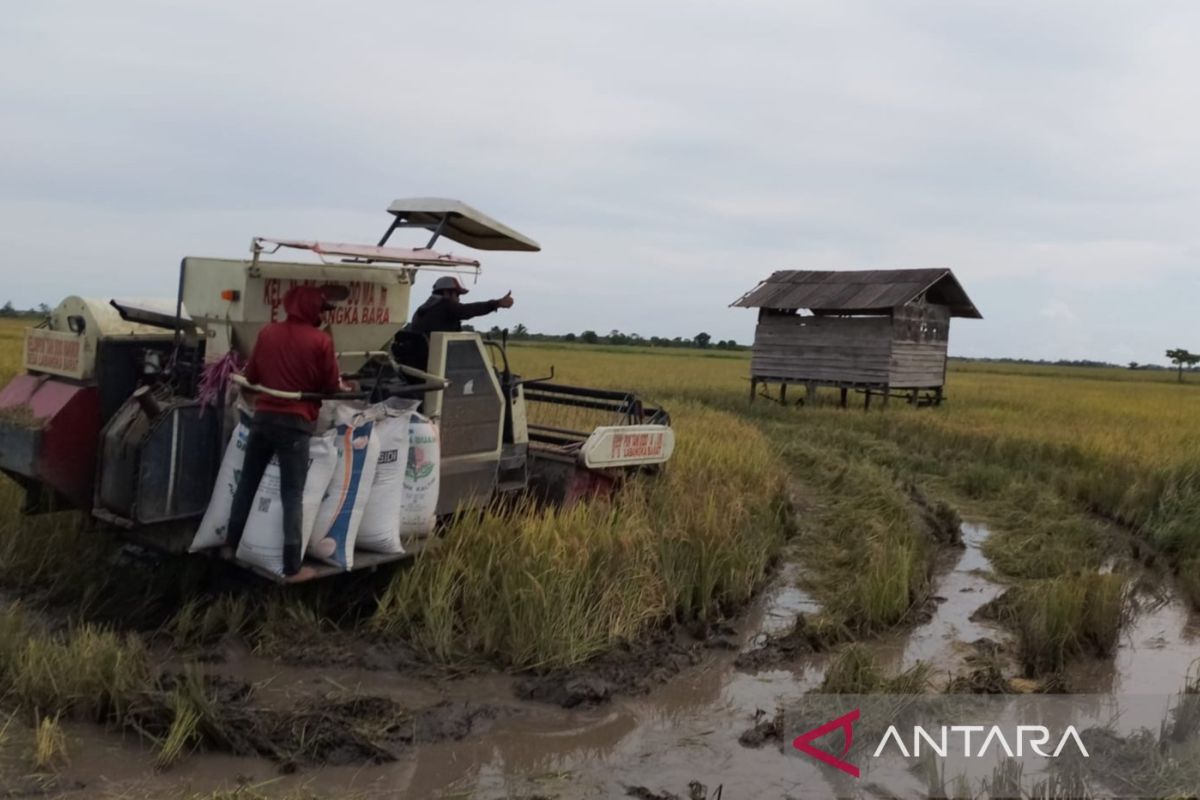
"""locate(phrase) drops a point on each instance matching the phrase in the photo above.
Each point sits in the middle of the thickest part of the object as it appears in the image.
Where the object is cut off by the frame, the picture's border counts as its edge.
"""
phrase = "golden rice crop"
(553, 587)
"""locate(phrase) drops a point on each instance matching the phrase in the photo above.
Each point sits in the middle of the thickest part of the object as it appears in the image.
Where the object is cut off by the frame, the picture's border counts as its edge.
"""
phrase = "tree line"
(702, 340)
(9, 310)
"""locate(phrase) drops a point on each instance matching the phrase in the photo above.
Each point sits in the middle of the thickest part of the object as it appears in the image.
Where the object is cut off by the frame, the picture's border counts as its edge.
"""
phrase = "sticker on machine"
(628, 445)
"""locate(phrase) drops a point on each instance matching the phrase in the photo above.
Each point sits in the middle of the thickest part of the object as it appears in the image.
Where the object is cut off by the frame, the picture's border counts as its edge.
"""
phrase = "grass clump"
(855, 671)
(546, 588)
(51, 552)
(49, 745)
(199, 621)
(88, 671)
(192, 710)
(1063, 617)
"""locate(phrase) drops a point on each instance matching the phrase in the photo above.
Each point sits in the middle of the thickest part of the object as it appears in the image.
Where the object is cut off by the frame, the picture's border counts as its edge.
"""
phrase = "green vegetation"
(1182, 358)
(49, 745)
(854, 671)
(1063, 617)
(871, 557)
(546, 587)
(84, 671)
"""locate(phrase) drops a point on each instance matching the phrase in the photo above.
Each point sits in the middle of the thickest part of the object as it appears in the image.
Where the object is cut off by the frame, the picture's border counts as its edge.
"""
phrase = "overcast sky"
(667, 155)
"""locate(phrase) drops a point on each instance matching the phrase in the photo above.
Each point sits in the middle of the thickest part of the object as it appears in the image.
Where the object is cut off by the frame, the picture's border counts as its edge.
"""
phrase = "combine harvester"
(108, 418)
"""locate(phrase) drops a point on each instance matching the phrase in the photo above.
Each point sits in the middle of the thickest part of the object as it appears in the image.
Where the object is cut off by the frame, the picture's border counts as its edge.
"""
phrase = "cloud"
(667, 155)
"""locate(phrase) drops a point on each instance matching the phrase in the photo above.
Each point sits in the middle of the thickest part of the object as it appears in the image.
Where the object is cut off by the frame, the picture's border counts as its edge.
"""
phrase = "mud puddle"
(782, 602)
(1158, 647)
(952, 635)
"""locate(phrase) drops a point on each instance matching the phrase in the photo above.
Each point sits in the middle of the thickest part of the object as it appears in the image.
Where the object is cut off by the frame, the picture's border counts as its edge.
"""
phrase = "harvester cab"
(120, 414)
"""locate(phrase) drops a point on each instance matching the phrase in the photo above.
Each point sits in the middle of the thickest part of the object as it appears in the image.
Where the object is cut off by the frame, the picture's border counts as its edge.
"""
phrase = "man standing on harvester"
(444, 312)
(291, 356)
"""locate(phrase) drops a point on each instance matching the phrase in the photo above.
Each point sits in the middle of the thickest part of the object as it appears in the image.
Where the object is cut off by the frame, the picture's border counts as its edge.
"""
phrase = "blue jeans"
(285, 436)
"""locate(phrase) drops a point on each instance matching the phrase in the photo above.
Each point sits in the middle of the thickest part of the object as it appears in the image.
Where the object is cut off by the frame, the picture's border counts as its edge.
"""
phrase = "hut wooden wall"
(920, 335)
(839, 349)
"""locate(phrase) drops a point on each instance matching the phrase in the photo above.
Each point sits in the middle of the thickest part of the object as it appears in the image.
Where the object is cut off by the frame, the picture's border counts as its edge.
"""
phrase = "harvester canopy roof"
(859, 291)
(459, 222)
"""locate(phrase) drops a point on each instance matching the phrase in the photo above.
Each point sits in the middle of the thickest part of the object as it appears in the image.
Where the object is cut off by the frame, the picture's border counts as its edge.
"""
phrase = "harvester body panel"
(48, 434)
(232, 300)
(470, 416)
(158, 460)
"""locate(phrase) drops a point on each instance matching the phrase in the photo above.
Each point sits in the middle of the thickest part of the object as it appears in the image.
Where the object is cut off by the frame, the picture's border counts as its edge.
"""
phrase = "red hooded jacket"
(295, 356)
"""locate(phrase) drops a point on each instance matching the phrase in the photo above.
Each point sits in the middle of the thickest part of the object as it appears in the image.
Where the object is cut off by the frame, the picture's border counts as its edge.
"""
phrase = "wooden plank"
(882, 346)
(768, 363)
(876, 379)
(915, 347)
(882, 362)
(838, 374)
(821, 340)
(801, 346)
(838, 327)
(915, 365)
(788, 350)
(883, 358)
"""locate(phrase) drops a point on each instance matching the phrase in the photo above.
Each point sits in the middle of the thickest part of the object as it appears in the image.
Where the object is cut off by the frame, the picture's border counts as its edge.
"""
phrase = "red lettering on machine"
(636, 445)
(365, 303)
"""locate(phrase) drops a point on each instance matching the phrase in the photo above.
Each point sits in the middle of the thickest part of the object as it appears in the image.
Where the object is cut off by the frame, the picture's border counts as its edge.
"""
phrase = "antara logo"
(846, 724)
(991, 738)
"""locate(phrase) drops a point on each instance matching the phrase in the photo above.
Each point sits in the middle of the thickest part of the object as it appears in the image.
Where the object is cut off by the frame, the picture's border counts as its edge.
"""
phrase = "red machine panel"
(49, 431)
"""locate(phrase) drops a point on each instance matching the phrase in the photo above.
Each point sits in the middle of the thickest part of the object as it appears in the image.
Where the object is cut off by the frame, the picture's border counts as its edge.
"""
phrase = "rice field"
(1068, 466)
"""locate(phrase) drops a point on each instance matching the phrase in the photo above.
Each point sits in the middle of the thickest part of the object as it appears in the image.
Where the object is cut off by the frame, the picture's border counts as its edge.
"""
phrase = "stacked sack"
(262, 539)
(418, 512)
(214, 527)
(346, 497)
(379, 530)
(372, 482)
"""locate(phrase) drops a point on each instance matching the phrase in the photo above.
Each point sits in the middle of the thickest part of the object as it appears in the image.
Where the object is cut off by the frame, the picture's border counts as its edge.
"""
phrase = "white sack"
(418, 512)
(214, 528)
(262, 541)
(345, 500)
(380, 527)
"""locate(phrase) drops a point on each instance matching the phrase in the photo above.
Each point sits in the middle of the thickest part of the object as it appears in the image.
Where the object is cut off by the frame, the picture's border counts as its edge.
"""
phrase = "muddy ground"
(687, 713)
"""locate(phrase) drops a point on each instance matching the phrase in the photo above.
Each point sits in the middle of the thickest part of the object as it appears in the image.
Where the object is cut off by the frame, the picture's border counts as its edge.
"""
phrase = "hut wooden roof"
(859, 291)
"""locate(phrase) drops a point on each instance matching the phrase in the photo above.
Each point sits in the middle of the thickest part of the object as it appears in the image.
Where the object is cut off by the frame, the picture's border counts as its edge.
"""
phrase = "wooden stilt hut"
(877, 332)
